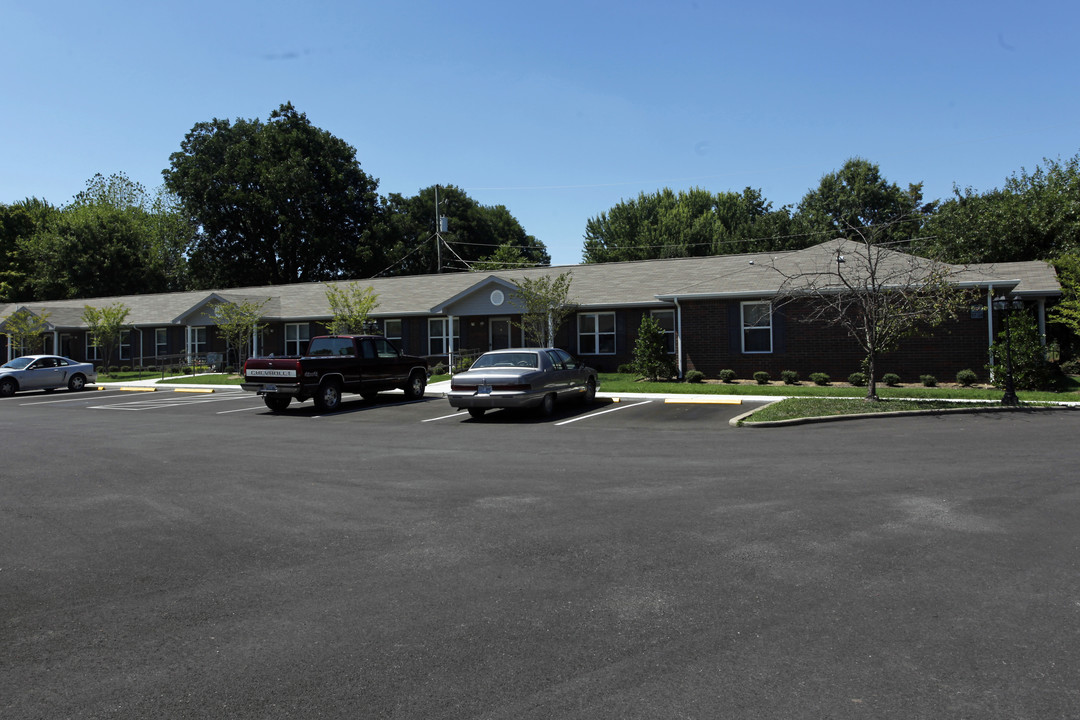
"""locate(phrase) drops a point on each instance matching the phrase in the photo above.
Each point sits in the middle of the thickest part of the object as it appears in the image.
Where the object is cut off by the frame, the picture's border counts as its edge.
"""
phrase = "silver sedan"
(44, 372)
(522, 378)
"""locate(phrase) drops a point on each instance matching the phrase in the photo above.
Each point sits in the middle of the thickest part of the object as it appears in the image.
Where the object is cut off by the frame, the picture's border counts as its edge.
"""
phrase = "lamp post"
(1009, 398)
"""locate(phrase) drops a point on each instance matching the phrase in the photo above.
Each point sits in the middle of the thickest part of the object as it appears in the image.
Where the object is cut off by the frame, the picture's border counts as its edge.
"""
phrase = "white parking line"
(443, 417)
(158, 403)
(82, 396)
(603, 412)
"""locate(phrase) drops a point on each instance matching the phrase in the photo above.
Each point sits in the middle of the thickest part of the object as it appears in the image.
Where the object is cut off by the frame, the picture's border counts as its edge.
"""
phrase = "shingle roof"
(642, 283)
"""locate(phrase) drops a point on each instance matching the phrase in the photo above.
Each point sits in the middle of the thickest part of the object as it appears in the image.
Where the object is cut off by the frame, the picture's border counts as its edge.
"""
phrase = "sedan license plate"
(269, 388)
(483, 390)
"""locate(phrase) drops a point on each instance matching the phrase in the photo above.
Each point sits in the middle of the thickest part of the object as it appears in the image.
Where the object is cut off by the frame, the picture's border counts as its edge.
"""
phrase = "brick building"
(739, 312)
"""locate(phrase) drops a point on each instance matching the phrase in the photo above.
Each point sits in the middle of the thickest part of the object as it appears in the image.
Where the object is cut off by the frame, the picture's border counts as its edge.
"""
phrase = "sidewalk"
(439, 389)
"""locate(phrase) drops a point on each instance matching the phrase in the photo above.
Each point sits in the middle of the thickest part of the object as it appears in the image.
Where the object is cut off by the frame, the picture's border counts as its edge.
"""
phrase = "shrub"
(626, 369)
(857, 379)
(113, 369)
(820, 378)
(651, 359)
(439, 369)
(1071, 367)
(890, 379)
(928, 380)
(694, 376)
(125, 368)
(967, 378)
(761, 377)
(790, 377)
(1031, 371)
(462, 364)
(726, 376)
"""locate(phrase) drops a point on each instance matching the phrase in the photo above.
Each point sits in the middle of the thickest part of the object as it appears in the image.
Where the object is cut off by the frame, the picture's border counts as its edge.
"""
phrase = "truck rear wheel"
(275, 403)
(328, 397)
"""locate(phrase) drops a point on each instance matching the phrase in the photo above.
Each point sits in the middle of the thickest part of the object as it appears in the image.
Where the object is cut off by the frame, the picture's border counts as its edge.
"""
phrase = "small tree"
(237, 322)
(106, 325)
(1021, 341)
(545, 304)
(651, 359)
(877, 295)
(351, 305)
(26, 329)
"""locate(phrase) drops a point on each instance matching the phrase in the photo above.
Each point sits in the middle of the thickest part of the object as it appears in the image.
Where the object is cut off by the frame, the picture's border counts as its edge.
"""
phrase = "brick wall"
(807, 348)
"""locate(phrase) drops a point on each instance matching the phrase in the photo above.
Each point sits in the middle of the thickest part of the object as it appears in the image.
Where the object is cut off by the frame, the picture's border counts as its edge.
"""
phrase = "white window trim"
(598, 334)
(744, 327)
(93, 351)
(400, 329)
(161, 348)
(298, 343)
(443, 323)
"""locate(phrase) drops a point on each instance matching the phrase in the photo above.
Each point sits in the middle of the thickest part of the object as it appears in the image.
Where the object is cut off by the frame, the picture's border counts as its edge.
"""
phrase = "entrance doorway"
(501, 330)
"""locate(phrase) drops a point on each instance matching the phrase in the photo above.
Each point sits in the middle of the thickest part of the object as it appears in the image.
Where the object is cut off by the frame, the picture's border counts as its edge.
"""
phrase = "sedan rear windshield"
(494, 360)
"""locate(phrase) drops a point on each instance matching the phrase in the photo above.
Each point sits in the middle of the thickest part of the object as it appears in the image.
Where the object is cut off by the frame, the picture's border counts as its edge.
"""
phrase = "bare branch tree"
(877, 295)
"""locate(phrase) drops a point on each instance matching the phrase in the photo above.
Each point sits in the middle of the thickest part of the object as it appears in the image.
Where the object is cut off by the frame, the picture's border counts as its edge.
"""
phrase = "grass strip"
(796, 408)
(627, 383)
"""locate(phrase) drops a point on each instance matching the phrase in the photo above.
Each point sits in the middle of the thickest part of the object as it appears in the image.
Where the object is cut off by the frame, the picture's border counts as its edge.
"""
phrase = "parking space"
(617, 413)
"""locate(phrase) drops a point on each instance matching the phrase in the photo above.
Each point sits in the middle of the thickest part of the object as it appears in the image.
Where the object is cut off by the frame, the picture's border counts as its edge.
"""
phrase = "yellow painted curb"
(137, 389)
(193, 390)
(705, 401)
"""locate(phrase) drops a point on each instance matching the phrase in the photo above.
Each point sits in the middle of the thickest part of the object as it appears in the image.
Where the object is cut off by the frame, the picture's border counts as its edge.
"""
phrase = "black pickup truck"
(336, 364)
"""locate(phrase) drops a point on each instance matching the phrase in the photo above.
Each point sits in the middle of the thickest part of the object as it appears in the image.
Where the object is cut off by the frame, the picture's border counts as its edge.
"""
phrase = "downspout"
(678, 339)
(990, 327)
(1042, 321)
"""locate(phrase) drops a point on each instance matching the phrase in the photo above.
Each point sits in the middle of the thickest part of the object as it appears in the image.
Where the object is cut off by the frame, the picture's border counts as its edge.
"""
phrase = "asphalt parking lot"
(184, 555)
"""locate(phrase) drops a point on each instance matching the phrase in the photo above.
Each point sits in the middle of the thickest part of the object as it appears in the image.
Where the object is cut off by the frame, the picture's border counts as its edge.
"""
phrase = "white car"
(44, 372)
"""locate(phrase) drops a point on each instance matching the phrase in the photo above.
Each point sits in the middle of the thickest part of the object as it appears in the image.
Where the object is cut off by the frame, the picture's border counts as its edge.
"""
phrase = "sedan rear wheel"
(76, 383)
(477, 412)
(547, 406)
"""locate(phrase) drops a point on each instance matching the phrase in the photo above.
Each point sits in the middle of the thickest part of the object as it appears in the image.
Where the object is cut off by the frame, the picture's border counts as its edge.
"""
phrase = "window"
(596, 333)
(437, 335)
(161, 341)
(666, 319)
(756, 327)
(125, 345)
(392, 330)
(93, 352)
(196, 341)
(297, 336)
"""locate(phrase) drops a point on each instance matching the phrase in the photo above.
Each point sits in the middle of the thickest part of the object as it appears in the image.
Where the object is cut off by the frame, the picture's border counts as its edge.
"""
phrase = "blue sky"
(557, 110)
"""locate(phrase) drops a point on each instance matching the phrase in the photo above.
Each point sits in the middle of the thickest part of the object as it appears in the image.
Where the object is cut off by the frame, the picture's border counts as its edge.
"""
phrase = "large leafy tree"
(18, 223)
(414, 245)
(686, 224)
(857, 201)
(277, 202)
(114, 238)
(1034, 216)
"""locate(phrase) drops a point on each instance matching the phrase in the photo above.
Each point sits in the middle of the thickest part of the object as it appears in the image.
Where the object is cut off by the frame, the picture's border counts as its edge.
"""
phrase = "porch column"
(678, 339)
(450, 342)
